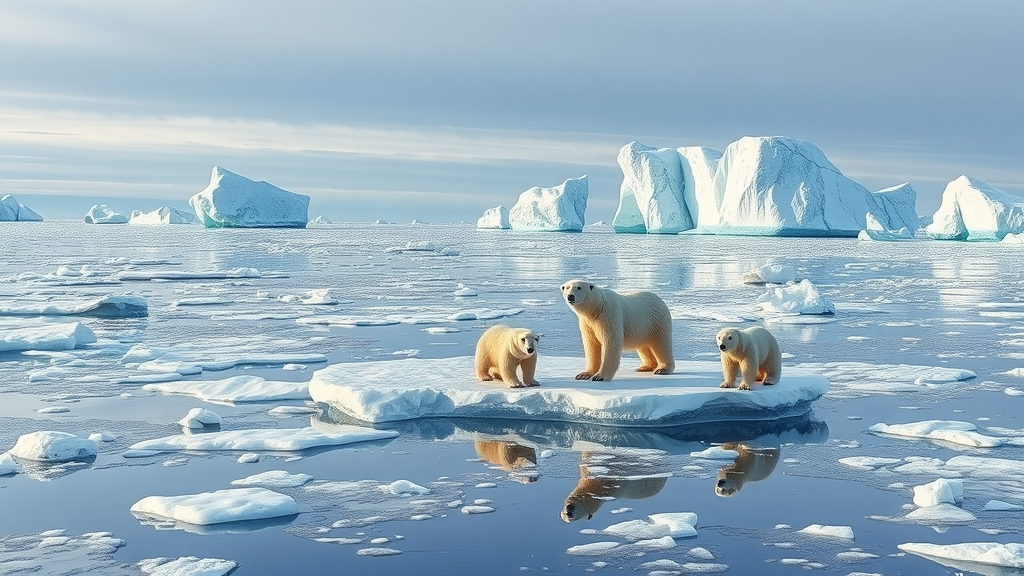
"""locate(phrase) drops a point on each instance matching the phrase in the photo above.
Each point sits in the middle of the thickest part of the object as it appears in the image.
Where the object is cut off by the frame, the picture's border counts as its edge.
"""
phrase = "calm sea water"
(921, 303)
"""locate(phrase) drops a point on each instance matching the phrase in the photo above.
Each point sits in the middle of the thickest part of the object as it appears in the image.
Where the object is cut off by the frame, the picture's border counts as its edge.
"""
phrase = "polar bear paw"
(662, 371)
(725, 385)
(584, 376)
(744, 386)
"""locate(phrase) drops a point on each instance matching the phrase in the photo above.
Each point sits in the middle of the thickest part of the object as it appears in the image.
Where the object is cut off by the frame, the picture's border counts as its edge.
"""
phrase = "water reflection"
(47, 471)
(518, 460)
(608, 476)
(751, 465)
(239, 527)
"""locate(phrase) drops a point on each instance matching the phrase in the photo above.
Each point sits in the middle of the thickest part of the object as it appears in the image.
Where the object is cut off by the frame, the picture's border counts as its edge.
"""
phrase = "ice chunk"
(637, 530)
(7, 464)
(199, 418)
(941, 491)
(392, 390)
(231, 505)
(844, 532)
(400, 487)
(262, 439)
(801, 298)
(51, 446)
(46, 337)
(235, 389)
(274, 479)
(771, 274)
(102, 214)
(187, 566)
(973, 210)
(161, 216)
(679, 524)
(496, 217)
(558, 209)
(991, 506)
(110, 306)
(233, 201)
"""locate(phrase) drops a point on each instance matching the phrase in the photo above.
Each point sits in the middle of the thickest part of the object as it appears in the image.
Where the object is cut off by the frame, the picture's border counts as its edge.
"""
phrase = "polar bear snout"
(721, 347)
(571, 298)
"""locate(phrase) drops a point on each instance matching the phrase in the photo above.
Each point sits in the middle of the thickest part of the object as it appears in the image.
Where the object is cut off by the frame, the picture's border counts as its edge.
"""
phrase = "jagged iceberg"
(772, 186)
(496, 218)
(162, 216)
(102, 214)
(974, 210)
(13, 211)
(233, 201)
(558, 209)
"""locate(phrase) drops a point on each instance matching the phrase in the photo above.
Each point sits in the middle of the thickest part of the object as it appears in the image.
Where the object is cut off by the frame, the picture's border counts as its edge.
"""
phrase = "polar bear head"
(524, 342)
(728, 339)
(729, 482)
(576, 292)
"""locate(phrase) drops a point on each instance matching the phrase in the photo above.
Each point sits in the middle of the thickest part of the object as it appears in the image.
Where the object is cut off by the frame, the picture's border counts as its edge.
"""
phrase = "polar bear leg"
(529, 367)
(611, 356)
(648, 360)
(662, 350)
(493, 373)
(772, 368)
(748, 367)
(730, 368)
(592, 352)
(508, 372)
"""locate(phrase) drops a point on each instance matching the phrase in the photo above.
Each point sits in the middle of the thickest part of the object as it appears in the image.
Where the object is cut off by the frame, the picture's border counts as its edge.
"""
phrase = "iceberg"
(494, 218)
(233, 201)
(12, 211)
(319, 221)
(651, 195)
(162, 216)
(795, 298)
(406, 389)
(102, 214)
(558, 209)
(764, 186)
(973, 210)
(874, 231)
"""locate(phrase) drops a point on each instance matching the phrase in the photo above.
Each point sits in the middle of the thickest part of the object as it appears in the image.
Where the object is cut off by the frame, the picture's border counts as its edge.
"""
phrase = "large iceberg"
(973, 210)
(102, 214)
(558, 209)
(773, 186)
(395, 390)
(496, 218)
(233, 201)
(12, 211)
(160, 216)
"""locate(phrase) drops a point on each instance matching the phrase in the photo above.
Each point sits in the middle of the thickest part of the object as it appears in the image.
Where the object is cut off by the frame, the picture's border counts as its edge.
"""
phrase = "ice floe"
(950, 431)
(243, 388)
(200, 418)
(57, 552)
(843, 532)
(385, 391)
(110, 306)
(1010, 555)
(63, 336)
(52, 446)
(230, 505)
(277, 440)
(234, 201)
(941, 491)
(771, 273)
(274, 479)
(187, 566)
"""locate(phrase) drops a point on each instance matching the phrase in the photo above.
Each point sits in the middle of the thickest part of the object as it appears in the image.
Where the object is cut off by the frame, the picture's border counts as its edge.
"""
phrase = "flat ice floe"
(235, 389)
(63, 336)
(948, 431)
(958, 555)
(187, 566)
(394, 390)
(50, 446)
(232, 505)
(853, 379)
(109, 306)
(271, 440)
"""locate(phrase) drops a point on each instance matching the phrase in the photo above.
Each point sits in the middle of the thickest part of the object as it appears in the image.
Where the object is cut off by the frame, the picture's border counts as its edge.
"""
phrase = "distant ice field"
(924, 358)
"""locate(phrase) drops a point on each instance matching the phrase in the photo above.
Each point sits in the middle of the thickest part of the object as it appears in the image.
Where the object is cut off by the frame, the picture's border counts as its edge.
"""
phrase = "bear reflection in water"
(751, 465)
(602, 480)
(518, 460)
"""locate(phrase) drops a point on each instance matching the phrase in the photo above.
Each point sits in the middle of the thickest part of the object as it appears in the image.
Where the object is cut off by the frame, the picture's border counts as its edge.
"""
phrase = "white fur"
(753, 353)
(611, 322)
(501, 350)
(751, 465)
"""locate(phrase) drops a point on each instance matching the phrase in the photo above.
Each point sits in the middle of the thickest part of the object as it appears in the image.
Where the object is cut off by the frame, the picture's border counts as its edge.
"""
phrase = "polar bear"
(594, 490)
(751, 465)
(611, 322)
(752, 352)
(501, 349)
(520, 461)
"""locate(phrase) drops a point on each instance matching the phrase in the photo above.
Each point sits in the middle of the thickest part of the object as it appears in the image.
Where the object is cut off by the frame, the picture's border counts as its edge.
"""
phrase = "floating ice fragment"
(273, 479)
(232, 505)
(1000, 506)
(200, 418)
(477, 509)
(844, 532)
(952, 431)
(51, 446)
(941, 491)
(989, 553)
(404, 487)
(249, 458)
(187, 566)
(377, 552)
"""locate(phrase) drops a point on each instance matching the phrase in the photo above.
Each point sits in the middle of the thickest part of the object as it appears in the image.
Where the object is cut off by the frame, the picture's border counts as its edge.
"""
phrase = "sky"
(405, 109)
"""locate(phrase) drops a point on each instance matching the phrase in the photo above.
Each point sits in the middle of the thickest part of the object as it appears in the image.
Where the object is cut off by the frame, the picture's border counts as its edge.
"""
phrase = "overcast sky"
(439, 110)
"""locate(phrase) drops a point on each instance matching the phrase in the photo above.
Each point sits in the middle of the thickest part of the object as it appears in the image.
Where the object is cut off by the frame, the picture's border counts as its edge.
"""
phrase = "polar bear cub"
(611, 322)
(501, 350)
(751, 352)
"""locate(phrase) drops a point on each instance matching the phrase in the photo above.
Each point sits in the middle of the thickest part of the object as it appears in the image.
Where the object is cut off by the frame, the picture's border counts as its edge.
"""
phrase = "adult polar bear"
(611, 322)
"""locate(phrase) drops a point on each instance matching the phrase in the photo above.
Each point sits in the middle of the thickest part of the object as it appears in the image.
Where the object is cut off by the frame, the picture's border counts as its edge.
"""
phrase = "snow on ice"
(387, 391)
(233, 201)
